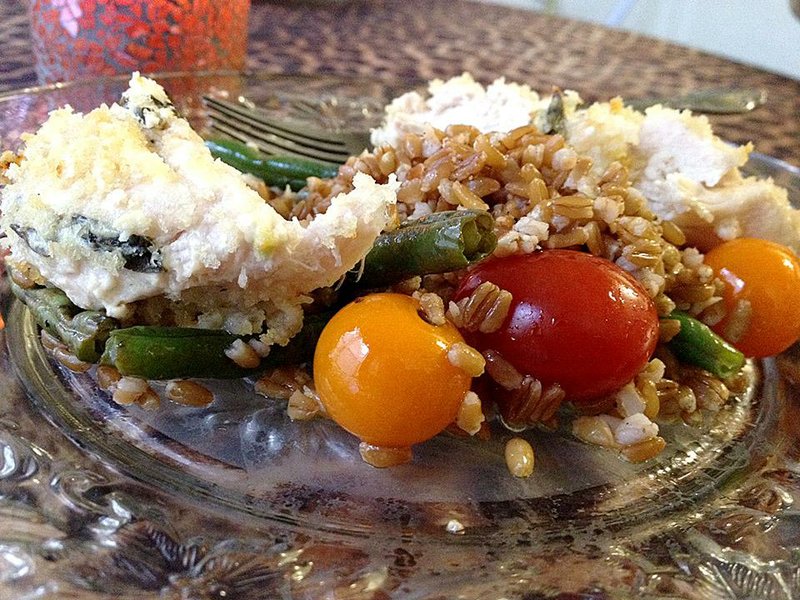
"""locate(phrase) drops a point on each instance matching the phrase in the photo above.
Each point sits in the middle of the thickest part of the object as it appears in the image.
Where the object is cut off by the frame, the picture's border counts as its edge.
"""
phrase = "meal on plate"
(497, 256)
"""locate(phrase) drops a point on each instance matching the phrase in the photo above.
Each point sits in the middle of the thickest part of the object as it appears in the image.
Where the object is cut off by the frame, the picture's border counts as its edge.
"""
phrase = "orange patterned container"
(75, 39)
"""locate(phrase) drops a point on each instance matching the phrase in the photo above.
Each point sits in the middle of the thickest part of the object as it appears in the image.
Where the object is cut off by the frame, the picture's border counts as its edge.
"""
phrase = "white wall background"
(764, 33)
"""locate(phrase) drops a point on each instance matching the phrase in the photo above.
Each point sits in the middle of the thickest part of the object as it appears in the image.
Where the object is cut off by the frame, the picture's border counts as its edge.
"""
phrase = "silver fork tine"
(271, 143)
(255, 126)
(258, 122)
(254, 115)
(267, 148)
(276, 136)
(304, 106)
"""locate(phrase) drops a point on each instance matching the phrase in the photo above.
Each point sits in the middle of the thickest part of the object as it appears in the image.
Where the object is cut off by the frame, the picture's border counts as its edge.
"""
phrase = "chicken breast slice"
(688, 174)
(692, 177)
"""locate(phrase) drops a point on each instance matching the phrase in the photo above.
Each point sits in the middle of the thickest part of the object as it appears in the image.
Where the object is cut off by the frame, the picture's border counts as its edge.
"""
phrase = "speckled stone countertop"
(421, 39)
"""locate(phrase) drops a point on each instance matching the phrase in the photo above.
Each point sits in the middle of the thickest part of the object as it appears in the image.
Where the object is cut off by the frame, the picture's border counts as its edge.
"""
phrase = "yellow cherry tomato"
(383, 374)
(761, 279)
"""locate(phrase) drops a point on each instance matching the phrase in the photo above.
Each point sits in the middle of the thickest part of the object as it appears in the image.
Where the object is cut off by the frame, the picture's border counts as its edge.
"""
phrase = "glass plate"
(237, 501)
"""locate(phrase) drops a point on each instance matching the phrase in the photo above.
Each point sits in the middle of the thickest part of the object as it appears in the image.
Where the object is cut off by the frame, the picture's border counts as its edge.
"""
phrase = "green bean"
(696, 344)
(277, 170)
(554, 117)
(83, 331)
(439, 243)
(181, 352)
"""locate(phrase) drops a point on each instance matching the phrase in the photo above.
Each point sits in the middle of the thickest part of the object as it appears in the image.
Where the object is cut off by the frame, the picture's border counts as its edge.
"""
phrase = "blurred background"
(763, 33)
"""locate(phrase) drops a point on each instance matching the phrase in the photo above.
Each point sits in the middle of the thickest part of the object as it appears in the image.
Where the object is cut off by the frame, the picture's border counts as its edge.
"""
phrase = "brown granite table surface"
(423, 39)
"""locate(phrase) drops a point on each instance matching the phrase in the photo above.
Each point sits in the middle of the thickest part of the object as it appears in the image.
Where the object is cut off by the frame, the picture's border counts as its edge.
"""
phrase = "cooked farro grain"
(243, 355)
(634, 429)
(501, 371)
(129, 390)
(470, 414)
(668, 329)
(687, 401)
(568, 239)
(739, 321)
(674, 399)
(149, 400)
(282, 382)
(70, 361)
(303, 405)
(458, 194)
(654, 370)
(594, 430)
(529, 404)
(431, 307)
(738, 383)
(629, 401)
(259, 347)
(466, 358)
(384, 457)
(644, 450)
(649, 393)
(107, 377)
(483, 186)
(564, 159)
(573, 207)
(672, 233)
(484, 310)
(189, 393)
(455, 527)
(693, 419)
(667, 391)
(519, 457)
(710, 393)
(408, 286)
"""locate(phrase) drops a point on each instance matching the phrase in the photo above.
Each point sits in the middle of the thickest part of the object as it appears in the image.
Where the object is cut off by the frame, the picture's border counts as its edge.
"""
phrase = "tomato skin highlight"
(382, 372)
(767, 275)
(575, 319)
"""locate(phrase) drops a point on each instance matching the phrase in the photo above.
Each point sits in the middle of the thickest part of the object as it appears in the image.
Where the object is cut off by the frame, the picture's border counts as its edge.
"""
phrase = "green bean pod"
(697, 344)
(438, 243)
(181, 352)
(278, 170)
(83, 331)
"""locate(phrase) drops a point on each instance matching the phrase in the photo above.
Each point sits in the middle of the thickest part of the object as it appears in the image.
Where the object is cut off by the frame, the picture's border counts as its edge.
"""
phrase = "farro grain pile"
(529, 181)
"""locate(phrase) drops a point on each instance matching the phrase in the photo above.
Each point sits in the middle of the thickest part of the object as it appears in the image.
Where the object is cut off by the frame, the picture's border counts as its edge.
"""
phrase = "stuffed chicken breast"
(124, 205)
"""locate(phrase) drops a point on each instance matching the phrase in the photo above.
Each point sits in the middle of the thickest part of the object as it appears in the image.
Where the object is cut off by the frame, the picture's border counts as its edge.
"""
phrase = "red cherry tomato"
(766, 276)
(575, 319)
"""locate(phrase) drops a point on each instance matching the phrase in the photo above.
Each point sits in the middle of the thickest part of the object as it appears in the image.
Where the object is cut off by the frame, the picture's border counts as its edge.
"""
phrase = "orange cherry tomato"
(767, 276)
(382, 372)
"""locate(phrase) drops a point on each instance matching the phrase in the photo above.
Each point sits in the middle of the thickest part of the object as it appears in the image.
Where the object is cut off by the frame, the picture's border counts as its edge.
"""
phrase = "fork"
(278, 136)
